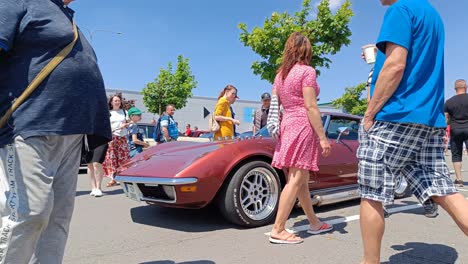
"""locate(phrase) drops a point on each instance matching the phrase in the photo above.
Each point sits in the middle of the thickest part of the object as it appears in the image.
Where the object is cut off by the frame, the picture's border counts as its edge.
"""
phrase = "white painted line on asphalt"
(453, 172)
(463, 190)
(355, 217)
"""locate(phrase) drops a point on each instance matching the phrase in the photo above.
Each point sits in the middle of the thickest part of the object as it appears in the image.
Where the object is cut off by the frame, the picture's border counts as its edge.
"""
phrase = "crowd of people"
(402, 131)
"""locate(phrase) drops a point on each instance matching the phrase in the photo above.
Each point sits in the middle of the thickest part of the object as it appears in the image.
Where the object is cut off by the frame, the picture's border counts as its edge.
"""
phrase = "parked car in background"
(236, 175)
(199, 133)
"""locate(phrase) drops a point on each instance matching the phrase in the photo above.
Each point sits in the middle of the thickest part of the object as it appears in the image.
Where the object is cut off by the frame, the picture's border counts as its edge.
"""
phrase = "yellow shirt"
(226, 128)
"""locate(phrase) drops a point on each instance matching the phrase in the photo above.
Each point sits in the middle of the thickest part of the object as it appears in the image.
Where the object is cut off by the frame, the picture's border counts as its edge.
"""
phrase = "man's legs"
(51, 246)
(457, 206)
(456, 147)
(457, 168)
(29, 198)
(372, 230)
(30, 166)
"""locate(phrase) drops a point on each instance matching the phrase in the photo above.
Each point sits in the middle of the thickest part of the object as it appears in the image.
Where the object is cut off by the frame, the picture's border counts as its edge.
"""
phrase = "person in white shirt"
(117, 152)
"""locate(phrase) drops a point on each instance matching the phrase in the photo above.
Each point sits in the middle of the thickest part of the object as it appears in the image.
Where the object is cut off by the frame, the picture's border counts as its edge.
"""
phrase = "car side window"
(263, 132)
(336, 123)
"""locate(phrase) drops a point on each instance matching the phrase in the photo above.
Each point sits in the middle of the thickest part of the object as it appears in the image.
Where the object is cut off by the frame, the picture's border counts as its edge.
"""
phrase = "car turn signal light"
(188, 188)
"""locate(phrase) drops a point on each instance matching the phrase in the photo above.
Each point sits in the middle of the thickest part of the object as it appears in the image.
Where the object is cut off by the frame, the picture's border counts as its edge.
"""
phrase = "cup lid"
(368, 46)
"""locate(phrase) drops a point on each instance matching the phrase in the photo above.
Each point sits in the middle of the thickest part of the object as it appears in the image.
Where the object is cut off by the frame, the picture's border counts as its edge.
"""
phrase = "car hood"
(169, 159)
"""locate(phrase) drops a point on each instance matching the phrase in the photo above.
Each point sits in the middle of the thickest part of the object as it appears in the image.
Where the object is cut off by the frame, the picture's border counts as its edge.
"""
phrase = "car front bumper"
(153, 190)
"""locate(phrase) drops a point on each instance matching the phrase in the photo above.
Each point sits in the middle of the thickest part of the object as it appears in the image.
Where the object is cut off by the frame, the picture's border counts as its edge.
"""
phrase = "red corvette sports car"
(237, 175)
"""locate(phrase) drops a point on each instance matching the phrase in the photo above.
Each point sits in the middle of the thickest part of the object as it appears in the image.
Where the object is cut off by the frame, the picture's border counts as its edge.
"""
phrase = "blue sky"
(205, 31)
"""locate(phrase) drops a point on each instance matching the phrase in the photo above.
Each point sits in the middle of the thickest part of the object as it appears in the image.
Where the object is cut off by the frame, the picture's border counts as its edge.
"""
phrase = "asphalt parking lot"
(115, 229)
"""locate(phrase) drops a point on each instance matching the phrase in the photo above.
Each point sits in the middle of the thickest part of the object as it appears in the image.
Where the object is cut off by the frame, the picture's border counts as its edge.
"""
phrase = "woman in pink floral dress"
(301, 132)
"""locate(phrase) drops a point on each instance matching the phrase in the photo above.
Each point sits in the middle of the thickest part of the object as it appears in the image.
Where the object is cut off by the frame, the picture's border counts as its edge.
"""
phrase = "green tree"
(353, 101)
(170, 87)
(327, 33)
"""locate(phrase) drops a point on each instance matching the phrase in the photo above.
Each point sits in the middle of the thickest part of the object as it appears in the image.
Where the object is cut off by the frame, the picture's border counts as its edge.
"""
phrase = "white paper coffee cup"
(369, 53)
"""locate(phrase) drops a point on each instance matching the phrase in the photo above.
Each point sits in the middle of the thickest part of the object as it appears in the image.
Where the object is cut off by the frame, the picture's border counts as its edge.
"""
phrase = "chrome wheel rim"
(400, 185)
(259, 193)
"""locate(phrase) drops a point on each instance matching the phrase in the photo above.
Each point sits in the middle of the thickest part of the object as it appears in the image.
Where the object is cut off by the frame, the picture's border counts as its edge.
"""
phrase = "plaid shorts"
(415, 151)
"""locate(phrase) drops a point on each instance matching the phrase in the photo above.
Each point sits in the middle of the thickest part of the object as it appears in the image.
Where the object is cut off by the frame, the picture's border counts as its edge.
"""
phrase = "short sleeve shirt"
(134, 129)
(168, 122)
(416, 26)
(457, 108)
(72, 99)
(117, 117)
(226, 128)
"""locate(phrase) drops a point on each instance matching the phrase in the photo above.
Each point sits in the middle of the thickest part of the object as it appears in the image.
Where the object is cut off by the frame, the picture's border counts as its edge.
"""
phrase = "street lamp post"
(101, 30)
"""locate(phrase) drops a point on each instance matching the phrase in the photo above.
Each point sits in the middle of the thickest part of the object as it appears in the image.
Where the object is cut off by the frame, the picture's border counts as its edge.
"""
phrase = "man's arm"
(166, 133)
(388, 81)
(164, 126)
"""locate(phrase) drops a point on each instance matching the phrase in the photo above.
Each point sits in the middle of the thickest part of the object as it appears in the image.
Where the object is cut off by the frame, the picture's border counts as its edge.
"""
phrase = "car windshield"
(264, 131)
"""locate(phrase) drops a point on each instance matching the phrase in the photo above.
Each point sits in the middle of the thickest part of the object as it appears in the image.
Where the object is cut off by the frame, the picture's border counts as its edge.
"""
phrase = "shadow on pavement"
(422, 253)
(112, 192)
(340, 228)
(80, 193)
(337, 206)
(185, 262)
(187, 220)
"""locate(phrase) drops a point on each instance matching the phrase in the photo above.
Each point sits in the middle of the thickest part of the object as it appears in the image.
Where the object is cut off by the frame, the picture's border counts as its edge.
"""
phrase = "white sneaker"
(93, 192)
(98, 193)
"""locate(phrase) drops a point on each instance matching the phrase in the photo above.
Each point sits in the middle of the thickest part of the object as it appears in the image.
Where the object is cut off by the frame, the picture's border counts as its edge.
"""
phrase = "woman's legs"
(117, 154)
(92, 178)
(99, 173)
(306, 204)
(296, 180)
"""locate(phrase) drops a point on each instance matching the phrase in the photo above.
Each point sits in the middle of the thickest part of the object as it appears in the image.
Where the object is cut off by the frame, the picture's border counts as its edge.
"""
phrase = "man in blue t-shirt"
(403, 128)
(169, 129)
(40, 145)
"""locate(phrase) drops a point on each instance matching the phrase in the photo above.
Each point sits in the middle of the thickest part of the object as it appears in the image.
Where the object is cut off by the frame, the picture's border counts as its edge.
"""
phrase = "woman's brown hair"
(228, 87)
(112, 98)
(296, 50)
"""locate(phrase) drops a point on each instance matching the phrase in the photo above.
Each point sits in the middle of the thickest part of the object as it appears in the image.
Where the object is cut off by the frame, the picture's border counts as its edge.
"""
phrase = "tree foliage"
(170, 87)
(353, 101)
(327, 33)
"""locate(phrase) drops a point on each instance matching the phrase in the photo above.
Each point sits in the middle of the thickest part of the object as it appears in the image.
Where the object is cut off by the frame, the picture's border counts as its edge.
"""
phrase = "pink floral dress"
(297, 146)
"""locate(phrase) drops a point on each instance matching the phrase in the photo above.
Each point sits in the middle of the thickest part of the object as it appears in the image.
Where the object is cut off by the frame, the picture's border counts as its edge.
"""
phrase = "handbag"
(213, 124)
(40, 77)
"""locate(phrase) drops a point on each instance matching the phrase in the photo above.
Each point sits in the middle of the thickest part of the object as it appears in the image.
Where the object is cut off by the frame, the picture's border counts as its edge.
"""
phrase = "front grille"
(153, 192)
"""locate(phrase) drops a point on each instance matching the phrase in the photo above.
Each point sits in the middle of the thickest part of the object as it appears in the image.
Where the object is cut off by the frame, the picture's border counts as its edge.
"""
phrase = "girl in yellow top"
(223, 113)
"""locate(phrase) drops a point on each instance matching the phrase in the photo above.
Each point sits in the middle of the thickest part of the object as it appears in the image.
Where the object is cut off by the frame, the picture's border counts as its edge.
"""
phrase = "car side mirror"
(342, 131)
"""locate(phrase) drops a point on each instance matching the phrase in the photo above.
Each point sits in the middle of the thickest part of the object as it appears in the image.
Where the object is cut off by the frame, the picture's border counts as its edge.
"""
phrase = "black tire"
(402, 188)
(263, 194)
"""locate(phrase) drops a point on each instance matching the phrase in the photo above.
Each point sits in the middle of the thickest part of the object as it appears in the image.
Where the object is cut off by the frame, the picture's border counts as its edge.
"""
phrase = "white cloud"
(335, 4)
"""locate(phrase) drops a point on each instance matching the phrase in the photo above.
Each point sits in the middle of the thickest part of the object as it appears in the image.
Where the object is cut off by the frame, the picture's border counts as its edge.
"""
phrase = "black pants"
(458, 136)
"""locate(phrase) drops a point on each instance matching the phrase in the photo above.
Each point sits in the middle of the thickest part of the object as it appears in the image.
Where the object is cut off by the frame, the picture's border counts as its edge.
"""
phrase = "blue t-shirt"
(72, 100)
(419, 98)
(168, 122)
(134, 129)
